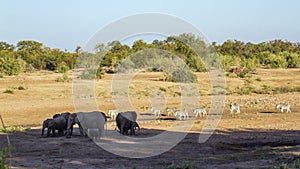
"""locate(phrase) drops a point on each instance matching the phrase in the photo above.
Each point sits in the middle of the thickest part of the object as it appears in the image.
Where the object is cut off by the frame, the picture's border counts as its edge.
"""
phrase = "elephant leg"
(126, 130)
(81, 130)
(53, 132)
(48, 132)
(122, 129)
(132, 132)
(43, 131)
(61, 132)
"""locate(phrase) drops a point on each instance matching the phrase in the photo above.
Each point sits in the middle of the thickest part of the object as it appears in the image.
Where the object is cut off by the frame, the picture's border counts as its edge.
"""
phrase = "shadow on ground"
(245, 148)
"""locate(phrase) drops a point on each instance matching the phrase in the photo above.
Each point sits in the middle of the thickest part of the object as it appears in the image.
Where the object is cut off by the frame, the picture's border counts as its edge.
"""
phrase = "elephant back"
(130, 115)
(66, 115)
(93, 119)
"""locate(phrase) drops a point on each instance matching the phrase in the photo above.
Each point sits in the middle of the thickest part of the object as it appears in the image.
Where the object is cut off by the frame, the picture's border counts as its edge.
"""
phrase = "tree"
(139, 45)
(6, 46)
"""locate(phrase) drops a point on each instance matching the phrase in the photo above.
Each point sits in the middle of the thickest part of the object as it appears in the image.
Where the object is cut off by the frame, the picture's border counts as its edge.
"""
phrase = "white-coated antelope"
(284, 107)
(278, 106)
(156, 111)
(234, 107)
(170, 111)
(183, 114)
(113, 114)
(200, 112)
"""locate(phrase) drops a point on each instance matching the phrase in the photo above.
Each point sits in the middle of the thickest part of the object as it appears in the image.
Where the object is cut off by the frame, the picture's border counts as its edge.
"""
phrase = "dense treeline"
(29, 55)
(272, 54)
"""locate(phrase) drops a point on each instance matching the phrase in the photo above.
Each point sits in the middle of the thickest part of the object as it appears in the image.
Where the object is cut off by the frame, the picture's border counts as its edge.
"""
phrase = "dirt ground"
(259, 137)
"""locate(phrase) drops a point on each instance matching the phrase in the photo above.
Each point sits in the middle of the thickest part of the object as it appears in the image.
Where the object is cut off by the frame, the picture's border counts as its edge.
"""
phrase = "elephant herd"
(90, 123)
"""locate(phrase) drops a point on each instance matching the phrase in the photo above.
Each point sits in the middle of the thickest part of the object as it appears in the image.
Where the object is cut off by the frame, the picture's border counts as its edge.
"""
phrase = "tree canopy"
(28, 55)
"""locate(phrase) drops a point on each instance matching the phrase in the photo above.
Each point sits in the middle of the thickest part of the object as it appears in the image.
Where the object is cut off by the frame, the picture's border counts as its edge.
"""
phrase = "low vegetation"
(3, 157)
(12, 129)
(293, 163)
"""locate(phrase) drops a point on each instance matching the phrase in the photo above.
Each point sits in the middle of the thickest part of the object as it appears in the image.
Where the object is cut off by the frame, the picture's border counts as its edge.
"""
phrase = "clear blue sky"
(66, 24)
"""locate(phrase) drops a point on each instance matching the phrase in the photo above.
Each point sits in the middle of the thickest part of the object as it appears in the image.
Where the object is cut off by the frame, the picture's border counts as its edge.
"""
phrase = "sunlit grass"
(12, 129)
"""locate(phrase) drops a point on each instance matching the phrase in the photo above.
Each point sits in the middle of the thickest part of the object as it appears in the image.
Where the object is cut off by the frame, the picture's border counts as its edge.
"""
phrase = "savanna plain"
(260, 136)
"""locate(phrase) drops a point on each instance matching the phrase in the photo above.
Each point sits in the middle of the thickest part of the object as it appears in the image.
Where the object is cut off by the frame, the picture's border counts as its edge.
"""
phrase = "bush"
(22, 88)
(258, 79)
(183, 76)
(292, 59)
(11, 129)
(3, 157)
(91, 74)
(63, 68)
(240, 71)
(63, 78)
(29, 68)
(9, 65)
(277, 61)
(8, 91)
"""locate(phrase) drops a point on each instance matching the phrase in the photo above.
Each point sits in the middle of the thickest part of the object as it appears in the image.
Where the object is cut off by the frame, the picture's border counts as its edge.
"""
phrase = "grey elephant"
(55, 116)
(46, 126)
(72, 120)
(58, 123)
(65, 115)
(92, 123)
(127, 121)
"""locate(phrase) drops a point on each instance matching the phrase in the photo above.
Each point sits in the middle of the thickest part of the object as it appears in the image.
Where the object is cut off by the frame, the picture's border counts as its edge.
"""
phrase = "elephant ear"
(76, 120)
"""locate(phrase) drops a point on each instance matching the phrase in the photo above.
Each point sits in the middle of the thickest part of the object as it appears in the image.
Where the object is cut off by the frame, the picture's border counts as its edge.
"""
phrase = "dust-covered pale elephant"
(92, 123)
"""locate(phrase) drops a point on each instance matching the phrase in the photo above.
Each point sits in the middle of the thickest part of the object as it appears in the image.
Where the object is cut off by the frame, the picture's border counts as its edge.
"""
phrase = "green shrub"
(292, 59)
(11, 129)
(184, 76)
(285, 90)
(3, 157)
(63, 68)
(22, 88)
(162, 89)
(91, 74)
(8, 91)
(277, 61)
(9, 65)
(63, 78)
(29, 68)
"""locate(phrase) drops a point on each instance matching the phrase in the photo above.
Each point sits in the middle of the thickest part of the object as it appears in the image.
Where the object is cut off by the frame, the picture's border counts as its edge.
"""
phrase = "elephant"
(59, 123)
(55, 116)
(92, 123)
(72, 120)
(127, 121)
(65, 115)
(46, 125)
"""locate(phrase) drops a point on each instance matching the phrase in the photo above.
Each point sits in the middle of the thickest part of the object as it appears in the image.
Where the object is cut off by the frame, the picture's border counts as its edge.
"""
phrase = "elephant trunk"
(138, 127)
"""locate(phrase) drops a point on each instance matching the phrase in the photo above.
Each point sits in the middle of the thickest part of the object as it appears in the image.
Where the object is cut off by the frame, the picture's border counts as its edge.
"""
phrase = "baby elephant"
(58, 123)
(47, 125)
